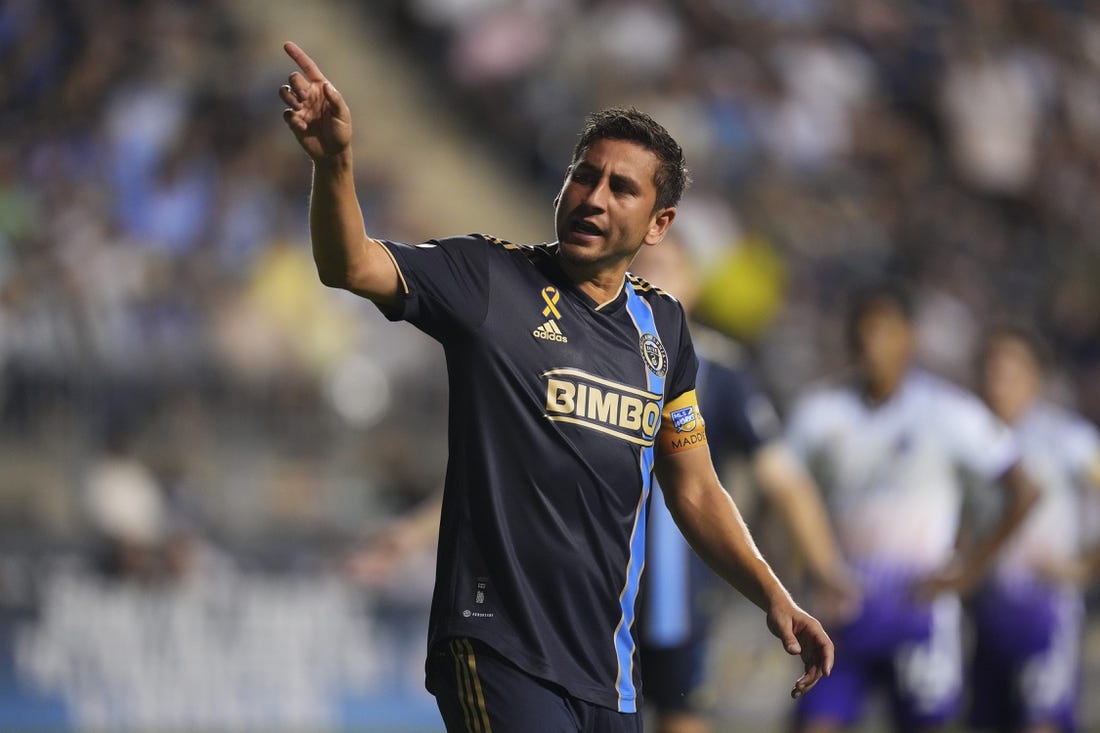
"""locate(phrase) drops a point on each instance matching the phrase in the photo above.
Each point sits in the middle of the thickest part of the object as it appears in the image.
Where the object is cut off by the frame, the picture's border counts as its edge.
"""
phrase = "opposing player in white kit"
(1028, 616)
(886, 446)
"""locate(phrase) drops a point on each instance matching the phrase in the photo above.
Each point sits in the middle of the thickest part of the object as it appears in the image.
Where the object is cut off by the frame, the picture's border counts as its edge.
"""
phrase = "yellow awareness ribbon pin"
(551, 296)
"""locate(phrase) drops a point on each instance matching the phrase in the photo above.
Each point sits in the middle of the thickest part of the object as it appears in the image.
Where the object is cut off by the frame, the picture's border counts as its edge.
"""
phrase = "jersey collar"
(556, 274)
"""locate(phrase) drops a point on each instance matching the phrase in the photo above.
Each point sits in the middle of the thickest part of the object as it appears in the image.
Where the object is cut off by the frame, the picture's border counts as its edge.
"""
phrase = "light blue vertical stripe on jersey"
(642, 316)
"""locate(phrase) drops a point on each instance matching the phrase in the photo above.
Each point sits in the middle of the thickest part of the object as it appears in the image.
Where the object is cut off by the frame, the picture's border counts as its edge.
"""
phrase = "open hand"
(315, 113)
(803, 636)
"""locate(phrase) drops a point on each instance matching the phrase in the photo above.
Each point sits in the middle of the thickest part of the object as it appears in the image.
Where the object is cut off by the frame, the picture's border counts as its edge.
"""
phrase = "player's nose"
(595, 196)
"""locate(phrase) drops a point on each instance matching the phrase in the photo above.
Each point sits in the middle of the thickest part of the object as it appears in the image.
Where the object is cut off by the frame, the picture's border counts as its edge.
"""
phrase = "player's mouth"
(584, 230)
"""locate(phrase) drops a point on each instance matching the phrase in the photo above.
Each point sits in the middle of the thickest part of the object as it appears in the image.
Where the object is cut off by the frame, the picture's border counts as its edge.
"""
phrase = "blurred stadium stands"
(193, 432)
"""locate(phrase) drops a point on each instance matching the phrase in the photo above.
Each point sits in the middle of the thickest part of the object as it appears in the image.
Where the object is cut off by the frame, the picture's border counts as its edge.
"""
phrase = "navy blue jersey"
(557, 408)
(740, 419)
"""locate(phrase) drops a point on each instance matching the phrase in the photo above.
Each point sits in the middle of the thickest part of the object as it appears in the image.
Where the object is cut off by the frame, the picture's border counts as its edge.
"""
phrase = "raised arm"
(321, 121)
(713, 526)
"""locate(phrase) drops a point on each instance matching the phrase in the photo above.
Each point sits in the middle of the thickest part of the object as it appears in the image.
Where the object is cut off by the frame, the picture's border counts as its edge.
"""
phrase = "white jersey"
(890, 473)
(1058, 450)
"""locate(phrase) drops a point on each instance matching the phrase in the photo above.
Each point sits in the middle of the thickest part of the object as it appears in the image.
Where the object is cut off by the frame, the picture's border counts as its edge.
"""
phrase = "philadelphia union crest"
(653, 352)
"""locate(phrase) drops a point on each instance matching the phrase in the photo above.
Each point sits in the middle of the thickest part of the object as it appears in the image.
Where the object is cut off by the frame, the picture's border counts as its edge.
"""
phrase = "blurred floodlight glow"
(359, 391)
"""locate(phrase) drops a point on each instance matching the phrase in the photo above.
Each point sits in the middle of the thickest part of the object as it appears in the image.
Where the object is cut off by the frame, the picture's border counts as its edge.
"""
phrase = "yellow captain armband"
(682, 425)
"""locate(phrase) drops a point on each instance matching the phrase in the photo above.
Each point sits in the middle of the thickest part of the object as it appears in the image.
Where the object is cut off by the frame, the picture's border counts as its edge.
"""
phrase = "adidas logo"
(550, 332)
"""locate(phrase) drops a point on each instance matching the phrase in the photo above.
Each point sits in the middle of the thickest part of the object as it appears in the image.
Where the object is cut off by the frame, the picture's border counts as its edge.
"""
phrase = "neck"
(601, 282)
(1013, 411)
(880, 388)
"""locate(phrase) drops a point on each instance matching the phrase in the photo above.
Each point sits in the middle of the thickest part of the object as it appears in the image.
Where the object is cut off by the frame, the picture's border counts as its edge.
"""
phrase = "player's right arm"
(713, 526)
(321, 121)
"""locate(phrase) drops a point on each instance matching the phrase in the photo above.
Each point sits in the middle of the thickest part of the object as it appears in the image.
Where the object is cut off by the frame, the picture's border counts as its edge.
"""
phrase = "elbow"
(1025, 493)
(1030, 498)
(333, 277)
(331, 280)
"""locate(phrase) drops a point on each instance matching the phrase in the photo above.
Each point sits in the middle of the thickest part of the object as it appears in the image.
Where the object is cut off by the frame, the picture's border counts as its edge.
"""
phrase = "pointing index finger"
(305, 63)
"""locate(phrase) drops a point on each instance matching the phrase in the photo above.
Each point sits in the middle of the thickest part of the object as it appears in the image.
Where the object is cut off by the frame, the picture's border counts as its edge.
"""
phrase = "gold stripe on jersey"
(642, 498)
(603, 429)
(641, 285)
(570, 372)
(499, 242)
(400, 275)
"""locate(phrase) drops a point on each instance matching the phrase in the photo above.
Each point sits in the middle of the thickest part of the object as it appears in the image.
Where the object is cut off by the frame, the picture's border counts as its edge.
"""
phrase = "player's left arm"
(713, 526)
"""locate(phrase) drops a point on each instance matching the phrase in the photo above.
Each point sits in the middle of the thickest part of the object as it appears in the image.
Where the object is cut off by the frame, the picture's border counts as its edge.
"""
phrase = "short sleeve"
(685, 366)
(978, 440)
(808, 420)
(682, 424)
(1082, 445)
(446, 283)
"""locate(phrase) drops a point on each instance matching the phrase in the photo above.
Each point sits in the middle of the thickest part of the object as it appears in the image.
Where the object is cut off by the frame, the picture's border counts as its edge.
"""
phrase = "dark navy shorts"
(673, 676)
(479, 691)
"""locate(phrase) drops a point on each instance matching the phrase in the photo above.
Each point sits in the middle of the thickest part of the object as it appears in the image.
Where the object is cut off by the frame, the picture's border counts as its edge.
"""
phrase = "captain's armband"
(682, 425)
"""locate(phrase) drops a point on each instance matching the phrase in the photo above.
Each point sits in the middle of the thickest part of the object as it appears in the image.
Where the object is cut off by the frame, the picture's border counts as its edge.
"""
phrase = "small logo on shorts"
(653, 352)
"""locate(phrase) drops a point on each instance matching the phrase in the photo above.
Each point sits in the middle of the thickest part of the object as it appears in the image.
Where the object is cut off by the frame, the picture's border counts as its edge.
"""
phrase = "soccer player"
(571, 387)
(1028, 615)
(886, 446)
(743, 424)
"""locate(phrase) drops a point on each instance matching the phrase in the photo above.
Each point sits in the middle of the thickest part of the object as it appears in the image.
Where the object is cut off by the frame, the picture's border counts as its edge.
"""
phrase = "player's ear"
(659, 224)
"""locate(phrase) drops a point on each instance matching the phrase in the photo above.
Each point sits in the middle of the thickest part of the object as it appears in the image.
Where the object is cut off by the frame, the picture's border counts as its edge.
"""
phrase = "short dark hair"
(873, 296)
(627, 123)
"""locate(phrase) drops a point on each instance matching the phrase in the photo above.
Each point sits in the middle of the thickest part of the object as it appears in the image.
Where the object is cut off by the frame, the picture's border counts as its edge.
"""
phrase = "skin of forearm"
(713, 526)
(790, 489)
(1091, 563)
(336, 221)
(1091, 557)
(1023, 496)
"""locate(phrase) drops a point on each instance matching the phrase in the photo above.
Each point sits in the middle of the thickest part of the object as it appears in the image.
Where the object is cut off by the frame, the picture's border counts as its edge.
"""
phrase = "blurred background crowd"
(181, 401)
